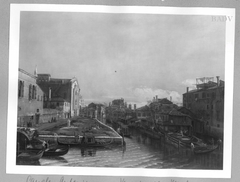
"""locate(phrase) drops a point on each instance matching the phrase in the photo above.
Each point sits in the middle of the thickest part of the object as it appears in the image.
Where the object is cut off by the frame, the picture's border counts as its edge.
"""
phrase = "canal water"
(140, 151)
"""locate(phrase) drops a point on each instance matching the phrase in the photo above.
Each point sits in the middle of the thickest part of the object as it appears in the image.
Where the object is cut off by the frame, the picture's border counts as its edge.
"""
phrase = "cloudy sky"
(130, 56)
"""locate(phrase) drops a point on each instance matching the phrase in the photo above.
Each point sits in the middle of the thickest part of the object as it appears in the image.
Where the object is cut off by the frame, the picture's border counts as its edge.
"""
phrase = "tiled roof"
(174, 112)
(143, 108)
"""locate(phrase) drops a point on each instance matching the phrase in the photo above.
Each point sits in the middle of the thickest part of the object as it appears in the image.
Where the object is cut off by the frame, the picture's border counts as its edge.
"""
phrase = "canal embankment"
(79, 126)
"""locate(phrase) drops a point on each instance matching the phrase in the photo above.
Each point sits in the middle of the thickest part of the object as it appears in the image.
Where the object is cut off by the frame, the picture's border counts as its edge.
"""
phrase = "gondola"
(58, 150)
(30, 155)
(204, 150)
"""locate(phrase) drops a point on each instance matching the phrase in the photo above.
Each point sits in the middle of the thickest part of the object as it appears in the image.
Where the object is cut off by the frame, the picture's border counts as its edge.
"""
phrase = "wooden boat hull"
(183, 141)
(57, 151)
(204, 150)
(30, 155)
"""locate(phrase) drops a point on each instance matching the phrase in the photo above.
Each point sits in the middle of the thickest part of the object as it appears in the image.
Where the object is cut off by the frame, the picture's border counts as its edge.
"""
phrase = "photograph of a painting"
(120, 90)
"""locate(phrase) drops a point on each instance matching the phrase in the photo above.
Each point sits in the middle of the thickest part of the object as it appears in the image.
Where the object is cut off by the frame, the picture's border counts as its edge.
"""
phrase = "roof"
(174, 112)
(143, 108)
(211, 87)
(164, 101)
(55, 88)
(26, 73)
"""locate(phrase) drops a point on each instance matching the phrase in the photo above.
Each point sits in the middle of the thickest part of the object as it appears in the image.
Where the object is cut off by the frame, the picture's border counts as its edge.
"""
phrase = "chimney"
(156, 98)
(35, 71)
(135, 106)
(218, 81)
(130, 106)
(187, 89)
(171, 98)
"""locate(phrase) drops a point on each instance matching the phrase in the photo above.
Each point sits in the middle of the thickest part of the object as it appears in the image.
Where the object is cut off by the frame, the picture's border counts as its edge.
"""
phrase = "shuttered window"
(30, 92)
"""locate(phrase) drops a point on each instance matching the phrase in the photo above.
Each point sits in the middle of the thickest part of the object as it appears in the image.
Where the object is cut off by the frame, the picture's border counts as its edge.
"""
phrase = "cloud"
(191, 83)
(145, 94)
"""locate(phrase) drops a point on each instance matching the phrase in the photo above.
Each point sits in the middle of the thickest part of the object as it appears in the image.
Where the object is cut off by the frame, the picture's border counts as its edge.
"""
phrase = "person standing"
(192, 147)
(37, 117)
(69, 122)
(219, 142)
(30, 122)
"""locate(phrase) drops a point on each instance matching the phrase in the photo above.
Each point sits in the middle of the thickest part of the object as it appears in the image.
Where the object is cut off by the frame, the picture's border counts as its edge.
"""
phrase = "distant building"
(197, 124)
(66, 90)
(207, 103)
(60, 104)
(175, 121)
(143, 112)
(96, 111)
(30, 97)
(168, 118)
(118, 103)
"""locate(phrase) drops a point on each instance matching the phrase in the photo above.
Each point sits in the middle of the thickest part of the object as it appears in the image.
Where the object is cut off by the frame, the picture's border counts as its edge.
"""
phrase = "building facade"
(30, 98)
(207, 103)
(66, 90)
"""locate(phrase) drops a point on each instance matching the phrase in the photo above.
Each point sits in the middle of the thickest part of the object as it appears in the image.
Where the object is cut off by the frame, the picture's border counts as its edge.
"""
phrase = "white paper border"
(11, 166)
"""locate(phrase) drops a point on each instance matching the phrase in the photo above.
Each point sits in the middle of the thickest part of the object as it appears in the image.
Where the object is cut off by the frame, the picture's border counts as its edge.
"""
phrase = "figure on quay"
(192, 147)
(30, 122)
(37, 117)
(219, 142)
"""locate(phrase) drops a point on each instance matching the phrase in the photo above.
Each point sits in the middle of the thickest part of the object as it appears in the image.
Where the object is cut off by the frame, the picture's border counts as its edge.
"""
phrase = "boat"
(123, 130)
(151, 132)
(29, 155)
(28, 138)
(58, 150)
(204, 149)
(182, 140)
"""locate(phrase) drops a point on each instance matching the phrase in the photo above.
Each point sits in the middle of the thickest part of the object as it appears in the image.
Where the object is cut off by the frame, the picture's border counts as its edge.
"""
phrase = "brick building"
(168, 118)
(60, 92)
(207, 103)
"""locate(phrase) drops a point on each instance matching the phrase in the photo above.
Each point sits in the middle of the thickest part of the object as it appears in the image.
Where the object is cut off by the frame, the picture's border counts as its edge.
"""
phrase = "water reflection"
(139, 151)
(21, 162)
(88, 152)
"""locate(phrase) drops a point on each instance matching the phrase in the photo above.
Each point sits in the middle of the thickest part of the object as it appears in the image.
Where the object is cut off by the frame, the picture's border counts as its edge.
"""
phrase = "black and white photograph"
(107, 90)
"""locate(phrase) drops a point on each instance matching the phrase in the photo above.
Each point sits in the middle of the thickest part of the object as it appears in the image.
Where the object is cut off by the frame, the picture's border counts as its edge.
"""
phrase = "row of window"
(32, 91)
(143, 114)
(192, 97)
(203, 95)
(163, 117)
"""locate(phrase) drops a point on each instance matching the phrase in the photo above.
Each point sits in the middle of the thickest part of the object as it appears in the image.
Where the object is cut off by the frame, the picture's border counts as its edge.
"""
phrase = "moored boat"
(29, 155)
(58, 150)
(204, 149)
(182, 140)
